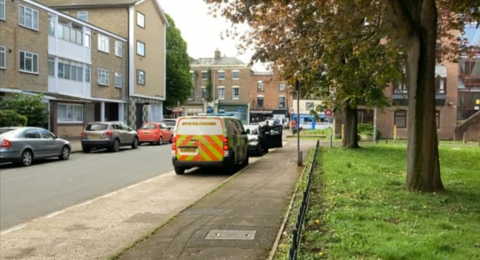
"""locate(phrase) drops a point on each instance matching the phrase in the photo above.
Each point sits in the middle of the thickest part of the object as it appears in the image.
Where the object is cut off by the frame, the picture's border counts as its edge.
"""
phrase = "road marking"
(51, 215)
(85, 203)
(132, 186)
(13, 229)
(109, 194)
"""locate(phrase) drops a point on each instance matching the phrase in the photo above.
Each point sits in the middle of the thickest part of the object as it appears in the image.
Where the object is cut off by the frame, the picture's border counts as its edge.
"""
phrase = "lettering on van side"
(199, 123)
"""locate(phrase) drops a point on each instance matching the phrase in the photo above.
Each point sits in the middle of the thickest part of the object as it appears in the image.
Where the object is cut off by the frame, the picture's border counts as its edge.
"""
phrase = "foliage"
(360, 209)
(11, 118)
(209, 97)
(179, 81)
(30, 106)
(367, 129)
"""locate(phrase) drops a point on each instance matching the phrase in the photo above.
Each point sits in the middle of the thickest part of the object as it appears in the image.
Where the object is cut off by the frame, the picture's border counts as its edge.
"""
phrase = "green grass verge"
(360, 208)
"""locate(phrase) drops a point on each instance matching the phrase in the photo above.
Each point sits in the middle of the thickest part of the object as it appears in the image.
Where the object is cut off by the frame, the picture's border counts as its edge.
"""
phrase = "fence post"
(464, 137)
(331, 141)
(479, 140)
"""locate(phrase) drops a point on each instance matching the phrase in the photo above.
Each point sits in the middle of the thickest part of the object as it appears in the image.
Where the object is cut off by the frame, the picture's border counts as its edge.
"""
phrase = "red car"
(155, 133)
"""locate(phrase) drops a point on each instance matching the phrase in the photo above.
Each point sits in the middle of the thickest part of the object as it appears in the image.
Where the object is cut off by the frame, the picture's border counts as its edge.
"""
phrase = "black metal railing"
(297, 230)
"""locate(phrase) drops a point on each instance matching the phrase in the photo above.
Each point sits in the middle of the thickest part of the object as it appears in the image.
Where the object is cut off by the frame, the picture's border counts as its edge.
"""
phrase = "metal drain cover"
(231, 234)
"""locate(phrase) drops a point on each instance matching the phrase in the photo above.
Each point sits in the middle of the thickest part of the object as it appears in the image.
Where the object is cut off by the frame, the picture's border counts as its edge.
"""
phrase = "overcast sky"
(200, 30)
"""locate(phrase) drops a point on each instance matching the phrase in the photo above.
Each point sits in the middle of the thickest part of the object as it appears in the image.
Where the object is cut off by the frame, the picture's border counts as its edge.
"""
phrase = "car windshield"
(96, 127)
(149, 126)
(170, 122)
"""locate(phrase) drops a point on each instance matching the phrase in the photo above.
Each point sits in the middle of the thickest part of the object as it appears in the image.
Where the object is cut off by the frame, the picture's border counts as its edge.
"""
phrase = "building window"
(192, 73)
(87, 73)
(192, 93)
(118, 80)
(28, 17)
(140, 19)
(83, 15)
(103, 43)
(69, 113)
(236, 75)
(69, 70)
(400, 88)
(3, 61)
(140, 48)
(221, 93)
(437, 118)
(204, 92)
(260, 101)
(51, 66)
(88, 38)
(400, 119)
(140, 77)
(2, 9)
(282, 86)
(281, 102)
(103, 77)
(118, 48)
(309, 106)
(440, 84)
(221, 75)
(235, 92)
(28, 62)
(204, 75)
(51, 25)
(260, 86)
(69, 33)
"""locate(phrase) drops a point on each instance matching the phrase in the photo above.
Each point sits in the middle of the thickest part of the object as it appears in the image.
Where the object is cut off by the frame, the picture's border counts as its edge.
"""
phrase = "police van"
(209, 141)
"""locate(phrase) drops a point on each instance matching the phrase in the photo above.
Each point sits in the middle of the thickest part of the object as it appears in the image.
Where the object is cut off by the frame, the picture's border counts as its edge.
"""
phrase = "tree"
(179, 81)
(11, 118)
(410, 25)
(30, 106)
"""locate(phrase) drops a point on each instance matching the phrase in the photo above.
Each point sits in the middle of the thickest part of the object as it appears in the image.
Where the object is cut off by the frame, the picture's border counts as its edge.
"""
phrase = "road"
(52, 185)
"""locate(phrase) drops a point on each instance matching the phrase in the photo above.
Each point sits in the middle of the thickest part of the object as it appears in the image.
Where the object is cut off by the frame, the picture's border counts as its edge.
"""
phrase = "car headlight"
(253, 142)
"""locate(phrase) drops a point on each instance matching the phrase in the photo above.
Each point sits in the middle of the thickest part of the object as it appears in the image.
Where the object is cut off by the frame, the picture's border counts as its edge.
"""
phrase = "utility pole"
(297, 125)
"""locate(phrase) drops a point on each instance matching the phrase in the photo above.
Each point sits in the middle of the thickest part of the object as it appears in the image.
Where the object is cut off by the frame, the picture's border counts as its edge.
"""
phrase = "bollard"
(464, 137)
(478, 140)
(300, 159)
(331, 141)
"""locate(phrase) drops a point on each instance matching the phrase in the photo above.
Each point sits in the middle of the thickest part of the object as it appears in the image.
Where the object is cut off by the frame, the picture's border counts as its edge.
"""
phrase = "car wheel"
(246, 161)
(179, 170)
(160, 141)
(115, 146)
(65, 155)
(231, 165)
(135, 143)
(86, 149)
(171, 139)
(27, 158)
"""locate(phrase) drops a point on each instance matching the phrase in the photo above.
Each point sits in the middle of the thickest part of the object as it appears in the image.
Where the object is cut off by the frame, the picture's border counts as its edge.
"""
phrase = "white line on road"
(53, 214)
(85, 203)
(109, 194)
(13, 229)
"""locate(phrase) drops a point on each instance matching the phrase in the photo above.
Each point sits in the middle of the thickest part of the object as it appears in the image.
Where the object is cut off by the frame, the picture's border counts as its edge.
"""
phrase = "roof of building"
(221, 61)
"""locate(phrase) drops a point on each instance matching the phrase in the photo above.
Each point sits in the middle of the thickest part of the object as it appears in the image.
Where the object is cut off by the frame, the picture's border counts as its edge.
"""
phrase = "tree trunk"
(350, 138)
(423, 166)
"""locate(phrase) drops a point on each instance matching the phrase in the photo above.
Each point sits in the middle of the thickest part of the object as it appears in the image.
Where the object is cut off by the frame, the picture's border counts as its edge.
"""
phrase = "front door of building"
(139, 115)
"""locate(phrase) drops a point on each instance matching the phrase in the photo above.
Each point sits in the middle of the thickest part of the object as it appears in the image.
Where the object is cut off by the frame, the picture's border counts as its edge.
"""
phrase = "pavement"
(241, 220)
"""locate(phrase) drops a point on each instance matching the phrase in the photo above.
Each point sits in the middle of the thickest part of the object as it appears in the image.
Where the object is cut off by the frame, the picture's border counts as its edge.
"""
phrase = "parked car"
(170, 123)
(260, 142)
(155, 133)
(23, 145)
(254, 140)
(110, 135)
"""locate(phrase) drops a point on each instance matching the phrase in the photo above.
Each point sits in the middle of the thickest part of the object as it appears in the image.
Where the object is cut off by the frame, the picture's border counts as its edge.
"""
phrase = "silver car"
(110, 135)
(23, 145)
(170, 123)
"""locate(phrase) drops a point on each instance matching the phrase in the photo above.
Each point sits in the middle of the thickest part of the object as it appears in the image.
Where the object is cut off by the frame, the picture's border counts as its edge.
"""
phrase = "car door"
(166, 132)
(243, 138)
(50, 142)
(35, 141)
(273, 139)
(129, 133)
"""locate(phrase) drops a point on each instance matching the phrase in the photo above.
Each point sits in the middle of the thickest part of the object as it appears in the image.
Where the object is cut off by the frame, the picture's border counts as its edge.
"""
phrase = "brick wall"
(471, 128)
(271, 93)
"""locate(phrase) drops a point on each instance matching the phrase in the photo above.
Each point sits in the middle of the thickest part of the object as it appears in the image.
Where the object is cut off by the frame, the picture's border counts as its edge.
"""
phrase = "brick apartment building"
(144, 24)
(268, 96)
(230, 79)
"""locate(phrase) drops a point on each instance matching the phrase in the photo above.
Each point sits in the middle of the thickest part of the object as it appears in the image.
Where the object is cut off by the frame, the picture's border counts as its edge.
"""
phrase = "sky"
(202, 31)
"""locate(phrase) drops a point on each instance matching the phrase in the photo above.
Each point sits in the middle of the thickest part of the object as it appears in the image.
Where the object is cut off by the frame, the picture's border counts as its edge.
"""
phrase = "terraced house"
(43, 51)
(143, 24)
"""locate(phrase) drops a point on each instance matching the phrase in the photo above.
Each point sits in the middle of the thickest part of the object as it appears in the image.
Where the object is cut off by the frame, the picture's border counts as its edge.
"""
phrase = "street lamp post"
(297, 125)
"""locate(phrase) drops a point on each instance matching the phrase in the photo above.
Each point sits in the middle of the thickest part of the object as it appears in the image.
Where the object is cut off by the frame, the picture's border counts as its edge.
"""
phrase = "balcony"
(68, 40)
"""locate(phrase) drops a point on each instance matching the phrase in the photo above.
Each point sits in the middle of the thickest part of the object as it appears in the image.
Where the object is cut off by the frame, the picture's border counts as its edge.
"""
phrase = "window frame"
(206, 74)
(50, 60)
(223, 73)
(139, 14)
(404, 116)
(73, 121)
(107, 77)
(280, 86)
(87, 41)
(260, 86)
(22, 22)
(3, 3)
(107, 43)
(284, 101)
(118, 75)
(24, 56)
(204, 91)
(4, 60)
(119, 48)
(218, 92)
(82, 12)
(144, 77)
(233, 92)
(262, 97)
(144, 48)
(87, 70)
(233, 74)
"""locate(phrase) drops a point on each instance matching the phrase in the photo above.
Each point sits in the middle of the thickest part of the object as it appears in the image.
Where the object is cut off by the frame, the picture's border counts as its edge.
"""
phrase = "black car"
(259, 142)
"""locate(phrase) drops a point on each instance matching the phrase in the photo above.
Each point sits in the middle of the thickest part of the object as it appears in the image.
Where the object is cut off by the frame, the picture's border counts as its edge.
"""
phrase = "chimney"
(217, 54)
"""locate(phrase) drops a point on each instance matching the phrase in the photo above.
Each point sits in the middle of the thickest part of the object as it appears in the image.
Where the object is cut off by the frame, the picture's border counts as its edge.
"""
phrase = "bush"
(367, 129)
(11, 118)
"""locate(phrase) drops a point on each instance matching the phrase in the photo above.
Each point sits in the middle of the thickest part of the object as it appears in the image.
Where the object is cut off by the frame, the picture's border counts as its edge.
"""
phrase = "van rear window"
(200, 127)
(96, 127)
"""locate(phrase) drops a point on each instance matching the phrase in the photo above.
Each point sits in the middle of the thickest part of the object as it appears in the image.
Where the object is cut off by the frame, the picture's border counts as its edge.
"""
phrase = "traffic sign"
(328, 112)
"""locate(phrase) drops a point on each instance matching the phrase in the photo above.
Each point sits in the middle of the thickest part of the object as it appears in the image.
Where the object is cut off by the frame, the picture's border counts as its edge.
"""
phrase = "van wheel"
(231, 165)
(179, 171)
(246, 161)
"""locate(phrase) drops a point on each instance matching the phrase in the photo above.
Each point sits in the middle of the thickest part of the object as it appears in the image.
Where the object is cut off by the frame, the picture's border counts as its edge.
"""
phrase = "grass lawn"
(360, 209)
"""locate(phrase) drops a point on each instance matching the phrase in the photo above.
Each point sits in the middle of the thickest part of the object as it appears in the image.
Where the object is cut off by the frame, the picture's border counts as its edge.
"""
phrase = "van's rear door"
(199, 139)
